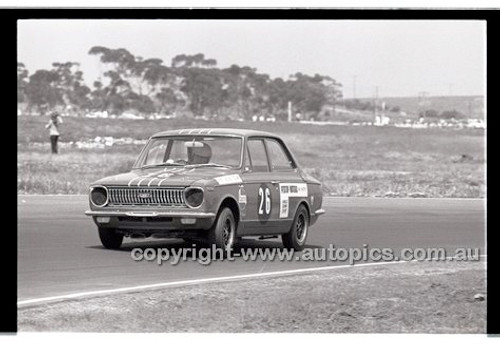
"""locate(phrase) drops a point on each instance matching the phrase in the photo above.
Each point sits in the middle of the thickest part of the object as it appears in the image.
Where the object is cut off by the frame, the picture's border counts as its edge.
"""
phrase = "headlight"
(99, 196)
(193, 197)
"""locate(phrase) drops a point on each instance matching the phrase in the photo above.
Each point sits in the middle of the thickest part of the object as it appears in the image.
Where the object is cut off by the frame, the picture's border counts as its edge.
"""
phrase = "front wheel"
(110, 239)
(223, 232)
(296, 237)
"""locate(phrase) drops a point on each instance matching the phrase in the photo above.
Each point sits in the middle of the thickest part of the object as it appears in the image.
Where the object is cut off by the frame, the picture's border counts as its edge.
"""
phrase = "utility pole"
(375, 103)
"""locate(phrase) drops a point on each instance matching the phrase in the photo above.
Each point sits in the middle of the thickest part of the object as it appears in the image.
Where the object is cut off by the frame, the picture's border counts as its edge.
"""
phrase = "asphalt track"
(59, 251)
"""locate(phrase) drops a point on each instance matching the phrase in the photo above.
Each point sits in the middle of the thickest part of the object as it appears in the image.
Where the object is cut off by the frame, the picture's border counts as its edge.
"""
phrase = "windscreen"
(192, 150)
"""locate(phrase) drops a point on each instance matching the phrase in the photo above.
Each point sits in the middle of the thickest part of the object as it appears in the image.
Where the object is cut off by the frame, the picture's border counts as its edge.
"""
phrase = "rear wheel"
(296, 237)
(110, 239)
(223, 232)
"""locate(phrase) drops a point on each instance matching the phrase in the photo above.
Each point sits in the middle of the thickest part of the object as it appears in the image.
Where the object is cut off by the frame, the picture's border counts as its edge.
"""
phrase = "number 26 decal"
(264, 201)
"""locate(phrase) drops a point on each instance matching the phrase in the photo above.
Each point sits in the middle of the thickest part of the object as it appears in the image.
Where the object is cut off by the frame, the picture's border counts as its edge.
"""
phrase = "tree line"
(188, 85)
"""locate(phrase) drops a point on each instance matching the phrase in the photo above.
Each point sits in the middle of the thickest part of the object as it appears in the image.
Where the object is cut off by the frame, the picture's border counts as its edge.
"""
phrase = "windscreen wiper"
(164, 164)
(207, 165)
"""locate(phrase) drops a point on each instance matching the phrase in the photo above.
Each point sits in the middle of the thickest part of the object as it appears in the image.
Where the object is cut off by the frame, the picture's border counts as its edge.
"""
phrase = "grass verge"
(348, 160)
(417, 297)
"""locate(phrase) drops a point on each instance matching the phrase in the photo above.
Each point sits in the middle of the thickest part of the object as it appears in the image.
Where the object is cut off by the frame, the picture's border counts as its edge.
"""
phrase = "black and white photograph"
(259, 175)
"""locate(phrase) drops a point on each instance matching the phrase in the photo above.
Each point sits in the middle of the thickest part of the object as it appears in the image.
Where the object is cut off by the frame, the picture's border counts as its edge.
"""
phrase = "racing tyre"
(297, 236)
(223, 233)
(110, 239)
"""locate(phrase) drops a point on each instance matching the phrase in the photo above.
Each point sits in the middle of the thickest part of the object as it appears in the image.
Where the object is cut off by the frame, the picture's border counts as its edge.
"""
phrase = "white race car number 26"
(264, 201)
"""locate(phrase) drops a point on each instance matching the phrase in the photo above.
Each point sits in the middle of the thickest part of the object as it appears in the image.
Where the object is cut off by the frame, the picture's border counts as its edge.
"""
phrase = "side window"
(258, 155)
(279, 158)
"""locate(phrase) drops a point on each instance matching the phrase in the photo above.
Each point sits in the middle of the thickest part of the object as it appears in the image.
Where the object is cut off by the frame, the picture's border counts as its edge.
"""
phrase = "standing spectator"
(53, 127)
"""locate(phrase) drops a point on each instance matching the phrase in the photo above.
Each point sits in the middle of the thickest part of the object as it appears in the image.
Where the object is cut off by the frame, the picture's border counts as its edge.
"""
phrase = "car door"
(262, 194)
(285, 177)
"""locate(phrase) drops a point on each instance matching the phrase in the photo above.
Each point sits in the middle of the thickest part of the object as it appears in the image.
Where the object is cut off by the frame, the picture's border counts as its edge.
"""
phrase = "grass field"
(349, 160)
(420, 297)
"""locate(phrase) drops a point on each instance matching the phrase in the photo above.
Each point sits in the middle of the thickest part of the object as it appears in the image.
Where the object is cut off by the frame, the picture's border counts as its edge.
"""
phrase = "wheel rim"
(301, 228)
(227, 233)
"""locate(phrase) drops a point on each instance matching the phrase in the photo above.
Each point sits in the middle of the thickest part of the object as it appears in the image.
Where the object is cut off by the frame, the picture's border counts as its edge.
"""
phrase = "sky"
(397, 58)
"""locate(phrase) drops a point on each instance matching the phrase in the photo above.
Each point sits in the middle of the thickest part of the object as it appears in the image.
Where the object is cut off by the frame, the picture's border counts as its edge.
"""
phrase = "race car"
(214, 185)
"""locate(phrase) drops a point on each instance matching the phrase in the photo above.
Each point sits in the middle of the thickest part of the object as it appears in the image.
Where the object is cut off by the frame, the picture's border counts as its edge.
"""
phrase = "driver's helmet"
(199, 155)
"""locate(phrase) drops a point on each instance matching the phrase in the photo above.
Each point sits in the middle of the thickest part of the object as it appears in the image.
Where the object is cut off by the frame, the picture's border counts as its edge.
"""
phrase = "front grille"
(173, 197)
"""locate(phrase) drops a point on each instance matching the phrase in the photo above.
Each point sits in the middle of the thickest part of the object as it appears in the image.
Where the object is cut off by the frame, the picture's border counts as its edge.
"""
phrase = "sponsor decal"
(229, 179)
(288, 190)
(242, 198)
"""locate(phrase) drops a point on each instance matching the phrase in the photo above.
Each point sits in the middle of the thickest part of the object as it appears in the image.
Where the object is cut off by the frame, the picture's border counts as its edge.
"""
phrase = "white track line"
(206, 280)
(403, 198)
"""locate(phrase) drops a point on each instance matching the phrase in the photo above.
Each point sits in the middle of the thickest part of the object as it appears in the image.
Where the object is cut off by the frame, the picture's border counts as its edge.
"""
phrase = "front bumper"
(143, 213)
(152, 220)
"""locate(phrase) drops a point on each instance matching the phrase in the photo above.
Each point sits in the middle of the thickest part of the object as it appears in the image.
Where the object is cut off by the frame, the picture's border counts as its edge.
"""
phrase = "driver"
(199, 155)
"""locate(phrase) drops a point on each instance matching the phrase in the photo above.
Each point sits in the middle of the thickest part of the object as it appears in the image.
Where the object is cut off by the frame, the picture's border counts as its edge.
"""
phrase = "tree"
(194, 83)
(197, 60)
(63, 85)
(42, 89)
(167, 99)
(134, 78)
(22, 74)
(306, 93)
(333, 89)
(204, 89)
(139, 103)
(71, 86)
(449, 114)
(429, 113)
(98, 97)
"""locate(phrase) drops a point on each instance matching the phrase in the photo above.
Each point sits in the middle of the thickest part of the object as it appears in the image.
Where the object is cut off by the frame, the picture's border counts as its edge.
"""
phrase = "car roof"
(216, 131)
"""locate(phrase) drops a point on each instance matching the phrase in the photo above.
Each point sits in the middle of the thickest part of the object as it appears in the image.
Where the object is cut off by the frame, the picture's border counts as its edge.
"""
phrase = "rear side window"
(258, 156)
(280, 161)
